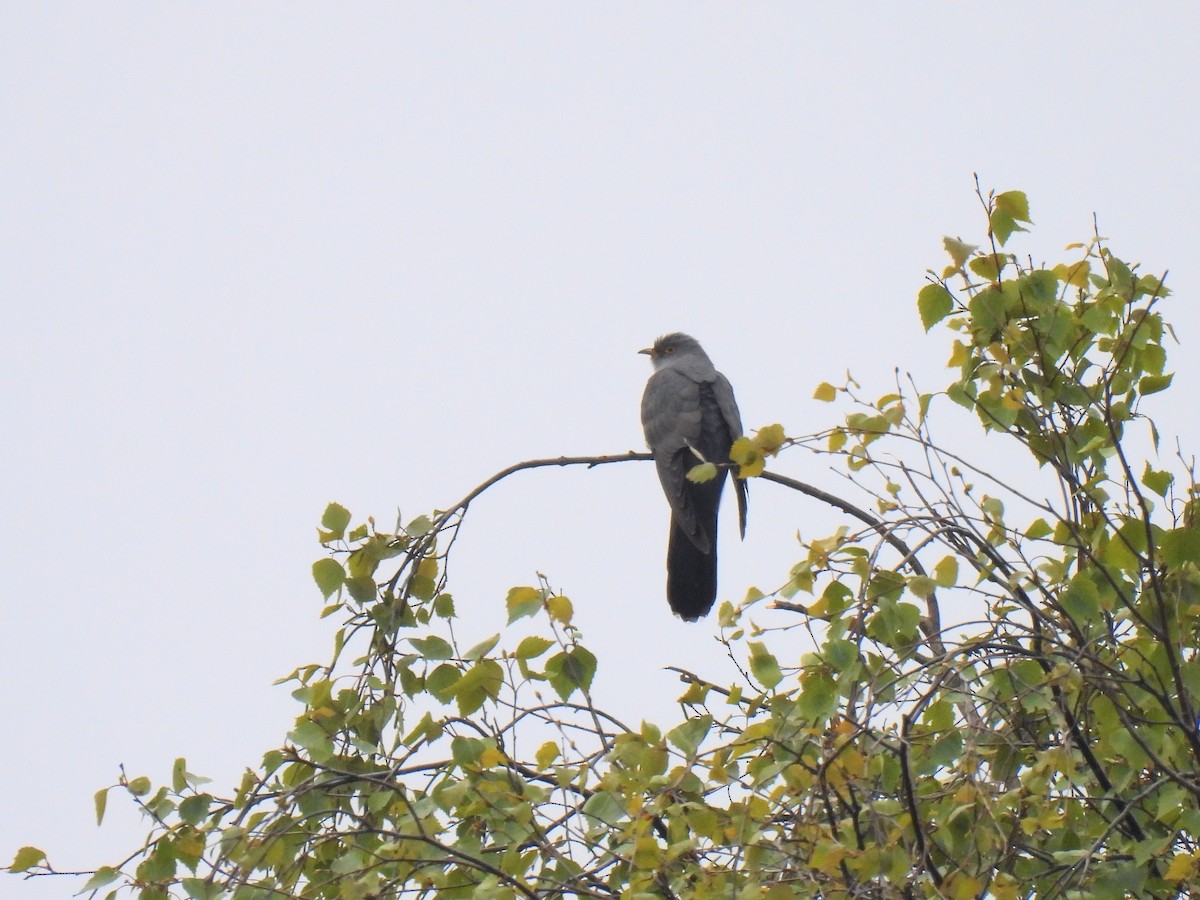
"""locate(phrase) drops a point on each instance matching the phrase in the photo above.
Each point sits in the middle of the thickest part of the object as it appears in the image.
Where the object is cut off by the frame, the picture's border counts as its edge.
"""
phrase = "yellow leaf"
(922, 585)
(825, 392)
(190, 843)
(1076, 274)
(560, 609)
(1012, 399)
(546, 754)
(945, 573)
(523, 601)
(1182, 866)
(748, 457)
(962, 886)
(491, 757)
(827, 856)
(770, 438)
(802, 578)
(1015, 204)
(837, 440)
(523, 594)
(1004, 888)
(646, 853)
(960, 251)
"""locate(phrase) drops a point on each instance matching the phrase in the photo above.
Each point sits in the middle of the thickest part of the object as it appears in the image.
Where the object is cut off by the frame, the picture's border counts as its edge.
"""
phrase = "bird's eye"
(668, 349)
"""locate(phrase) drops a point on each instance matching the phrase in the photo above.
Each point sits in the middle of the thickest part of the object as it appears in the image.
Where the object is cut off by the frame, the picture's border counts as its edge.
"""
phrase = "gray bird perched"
(690, 416)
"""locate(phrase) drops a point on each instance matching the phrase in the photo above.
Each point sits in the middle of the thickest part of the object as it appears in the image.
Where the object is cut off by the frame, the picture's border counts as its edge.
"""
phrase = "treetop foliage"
(979, 687)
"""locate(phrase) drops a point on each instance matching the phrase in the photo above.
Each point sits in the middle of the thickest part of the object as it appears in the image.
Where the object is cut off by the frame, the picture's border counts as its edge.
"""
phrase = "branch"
(418, 550)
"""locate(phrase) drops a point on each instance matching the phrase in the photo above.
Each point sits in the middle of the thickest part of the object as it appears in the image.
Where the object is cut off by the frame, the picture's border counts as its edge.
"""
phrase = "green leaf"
(467, 750)
(959, 251)
(179, 775)
(1152, 358)
(102, 876)
(26, 859)
(418, 527)
(1081, 600)
(605, 808)
(989, 313)
(571, 670)
(432, 647)
(424, 581)
(194, 809)
(313, 738)
(1015, 204)
(840, 654)
(945, 573)
(101, 802)
(139, 786)
(763, 665)
(201, 889)
(818, 696)
(1180, 545)
(480, 682)
(687, 737)
(1152, 384)
(443, 606)
(443, 681)
(1157, 481)
(1037, 529)
(989, 266)
(1002, 225)
(1117, 554)
(160, 865)
(482, 649)
(335, 520)
(522, 602)
(922, 586)
(533, 646)
(701, 473)
(361, 589)
(1039, 289)
(934, 303)
(945, 750)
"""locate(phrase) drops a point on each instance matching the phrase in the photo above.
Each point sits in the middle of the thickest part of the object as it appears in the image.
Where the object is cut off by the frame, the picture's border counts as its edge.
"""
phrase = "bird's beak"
(649, 351)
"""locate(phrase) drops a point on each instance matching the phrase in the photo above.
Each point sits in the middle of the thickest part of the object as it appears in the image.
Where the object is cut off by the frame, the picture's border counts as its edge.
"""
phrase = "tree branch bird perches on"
(690, 416)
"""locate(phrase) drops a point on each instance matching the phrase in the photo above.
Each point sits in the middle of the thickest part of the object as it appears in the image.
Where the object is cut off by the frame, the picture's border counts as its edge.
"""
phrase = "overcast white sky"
(257, 257)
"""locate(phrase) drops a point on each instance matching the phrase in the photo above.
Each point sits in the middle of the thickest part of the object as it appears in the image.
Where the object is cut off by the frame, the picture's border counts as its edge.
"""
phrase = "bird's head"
(674, 346)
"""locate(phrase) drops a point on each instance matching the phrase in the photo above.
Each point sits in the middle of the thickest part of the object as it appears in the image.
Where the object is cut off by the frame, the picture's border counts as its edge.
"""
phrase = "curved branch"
(418, 550)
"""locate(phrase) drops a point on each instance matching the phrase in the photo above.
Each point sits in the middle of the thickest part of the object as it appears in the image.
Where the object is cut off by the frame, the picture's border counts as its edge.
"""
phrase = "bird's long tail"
(691, 574)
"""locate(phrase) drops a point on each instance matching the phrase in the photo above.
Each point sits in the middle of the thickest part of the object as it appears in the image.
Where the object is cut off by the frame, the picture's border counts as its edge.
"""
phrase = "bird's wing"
(672, 416)
(671, 411)
(723, 391)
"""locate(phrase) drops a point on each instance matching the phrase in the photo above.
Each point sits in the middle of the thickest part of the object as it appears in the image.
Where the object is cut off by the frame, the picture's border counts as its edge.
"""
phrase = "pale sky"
(257, 257)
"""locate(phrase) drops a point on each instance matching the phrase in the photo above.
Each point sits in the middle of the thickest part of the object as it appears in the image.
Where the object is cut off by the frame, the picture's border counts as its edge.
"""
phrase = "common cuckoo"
(690, 416)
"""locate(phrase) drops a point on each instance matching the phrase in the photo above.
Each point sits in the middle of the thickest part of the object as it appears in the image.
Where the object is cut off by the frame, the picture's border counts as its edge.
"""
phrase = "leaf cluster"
(981, 685)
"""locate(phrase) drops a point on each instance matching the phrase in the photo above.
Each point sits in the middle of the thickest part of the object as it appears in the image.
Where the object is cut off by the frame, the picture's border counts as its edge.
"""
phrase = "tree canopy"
(985, 684)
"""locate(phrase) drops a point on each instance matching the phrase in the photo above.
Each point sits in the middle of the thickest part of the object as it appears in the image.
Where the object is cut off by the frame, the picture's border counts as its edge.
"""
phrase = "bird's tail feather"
(691, 576)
